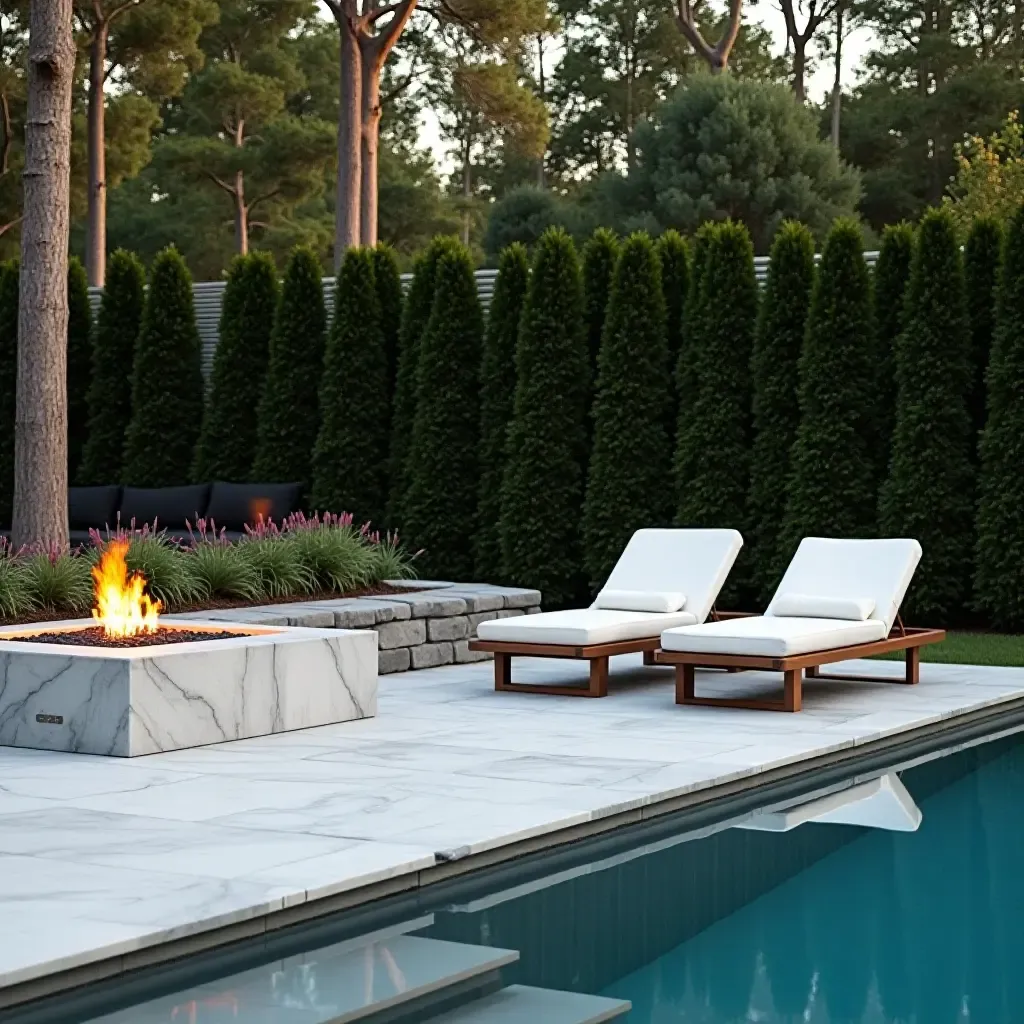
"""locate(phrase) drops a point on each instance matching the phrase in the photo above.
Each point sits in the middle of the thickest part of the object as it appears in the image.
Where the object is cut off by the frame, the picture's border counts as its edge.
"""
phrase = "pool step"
(522, 1004)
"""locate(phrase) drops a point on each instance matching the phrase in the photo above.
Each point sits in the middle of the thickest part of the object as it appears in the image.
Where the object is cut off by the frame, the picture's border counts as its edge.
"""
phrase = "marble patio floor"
(101, 857)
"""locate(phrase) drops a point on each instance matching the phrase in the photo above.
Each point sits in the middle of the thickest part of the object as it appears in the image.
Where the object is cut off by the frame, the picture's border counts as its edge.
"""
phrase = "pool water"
(872, 927)
(824, 924)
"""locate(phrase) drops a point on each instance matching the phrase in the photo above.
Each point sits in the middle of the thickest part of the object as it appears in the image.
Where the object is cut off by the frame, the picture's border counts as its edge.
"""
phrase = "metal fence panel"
(208, 296)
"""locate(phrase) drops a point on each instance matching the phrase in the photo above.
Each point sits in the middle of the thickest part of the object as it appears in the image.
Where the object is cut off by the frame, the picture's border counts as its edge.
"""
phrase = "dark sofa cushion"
(232, 506)
(170, 506)
(93, 507)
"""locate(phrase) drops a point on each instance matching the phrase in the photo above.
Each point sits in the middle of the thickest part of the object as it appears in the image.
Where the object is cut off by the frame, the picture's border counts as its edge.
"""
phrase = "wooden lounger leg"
(793, 698)
(913, 666)
(791, 701)
(911, 676)
(502, 671)
(598, 677)
(685, 683)
(649, 658)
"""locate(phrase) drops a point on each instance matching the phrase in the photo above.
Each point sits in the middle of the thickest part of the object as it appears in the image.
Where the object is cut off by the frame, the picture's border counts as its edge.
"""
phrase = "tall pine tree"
(8, 383)
(350, 457)
(999, 550)
(833, 477)
(631, 458)
(227, 442)
(79, 365)
(497, 396)
(167, 381)
(774, 367)
(543, 487)
(439, 511)
(982, 254)
(113, 349)
(892, 273)
(928, 494)
(289, 410)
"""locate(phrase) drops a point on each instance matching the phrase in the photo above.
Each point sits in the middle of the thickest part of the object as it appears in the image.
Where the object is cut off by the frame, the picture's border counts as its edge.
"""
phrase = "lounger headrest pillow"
(807, 606)
(640, 601)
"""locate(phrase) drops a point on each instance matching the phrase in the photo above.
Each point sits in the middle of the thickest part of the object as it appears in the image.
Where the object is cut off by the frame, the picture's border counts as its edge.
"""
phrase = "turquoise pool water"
(852, 925)
(824, 924)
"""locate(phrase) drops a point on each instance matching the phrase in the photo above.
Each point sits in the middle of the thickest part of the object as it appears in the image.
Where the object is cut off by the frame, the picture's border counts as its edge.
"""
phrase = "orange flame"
(122, 606)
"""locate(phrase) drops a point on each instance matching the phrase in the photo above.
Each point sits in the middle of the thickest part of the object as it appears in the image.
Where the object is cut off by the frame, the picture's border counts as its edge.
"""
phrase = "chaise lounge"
(839, 599)
(663, 578)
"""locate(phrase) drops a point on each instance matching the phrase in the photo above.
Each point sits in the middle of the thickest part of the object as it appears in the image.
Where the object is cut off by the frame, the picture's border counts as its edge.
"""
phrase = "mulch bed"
(93, 636)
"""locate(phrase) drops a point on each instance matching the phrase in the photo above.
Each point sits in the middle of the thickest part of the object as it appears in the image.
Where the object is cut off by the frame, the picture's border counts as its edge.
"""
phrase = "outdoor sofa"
(231, 506)
(663, 578)
(839, 599)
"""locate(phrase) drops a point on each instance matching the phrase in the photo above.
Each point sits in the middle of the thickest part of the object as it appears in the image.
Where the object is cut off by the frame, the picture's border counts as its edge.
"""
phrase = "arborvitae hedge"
(439, 511)
(777, 347)
(415, 315)
(497, 397)
(350, 457)
(599, 256)
(167, 381)
(79, 364)
(113, 351)
(999, 553)
(388, 279)
(685, 381)
(712, 460)
(832, 486)
(674, 255)
(630, 460)
(543, 487)
(227, 442)
(8, 383)
(928, 494)
(892, 273)
(289, 415)
(981, 275)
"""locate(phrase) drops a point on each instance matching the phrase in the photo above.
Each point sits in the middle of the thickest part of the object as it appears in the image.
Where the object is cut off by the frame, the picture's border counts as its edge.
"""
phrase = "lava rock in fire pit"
(94, 636)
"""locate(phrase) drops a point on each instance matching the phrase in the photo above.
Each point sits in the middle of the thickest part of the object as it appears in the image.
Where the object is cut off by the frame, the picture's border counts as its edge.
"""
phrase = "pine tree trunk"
(96, 254)
(800, 69)
(372, 65)
(241, 216)
(837, 85)
(41, 427)
(346, 233)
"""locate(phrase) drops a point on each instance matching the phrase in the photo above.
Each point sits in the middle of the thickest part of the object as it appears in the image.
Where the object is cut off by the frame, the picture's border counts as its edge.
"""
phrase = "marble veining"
(126, 703)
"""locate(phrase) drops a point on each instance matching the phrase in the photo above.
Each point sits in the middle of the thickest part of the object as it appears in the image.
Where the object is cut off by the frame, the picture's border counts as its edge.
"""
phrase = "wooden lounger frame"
(794, 667)
(596, 654)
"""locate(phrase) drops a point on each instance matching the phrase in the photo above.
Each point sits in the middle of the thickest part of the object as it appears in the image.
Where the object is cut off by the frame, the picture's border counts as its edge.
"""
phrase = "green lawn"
(974, 649)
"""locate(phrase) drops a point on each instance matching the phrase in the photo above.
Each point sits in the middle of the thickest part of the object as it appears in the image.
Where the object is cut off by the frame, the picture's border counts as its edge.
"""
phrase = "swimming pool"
(825, 924)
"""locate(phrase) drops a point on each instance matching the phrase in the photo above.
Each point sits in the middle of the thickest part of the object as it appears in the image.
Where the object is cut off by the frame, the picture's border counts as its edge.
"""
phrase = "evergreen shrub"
(350, 457)
(674, 256)
(982, 255)
(388, 280)
(113, 350)
(228, 440)
(542, 492)
(79, 363)
(289, 412)
(631, 457)
(497, 398)
(928, 494)
(167, 381)
(439, 510)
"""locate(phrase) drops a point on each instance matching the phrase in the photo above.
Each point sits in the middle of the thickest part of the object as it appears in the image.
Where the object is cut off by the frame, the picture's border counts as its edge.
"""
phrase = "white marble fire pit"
(141, 700)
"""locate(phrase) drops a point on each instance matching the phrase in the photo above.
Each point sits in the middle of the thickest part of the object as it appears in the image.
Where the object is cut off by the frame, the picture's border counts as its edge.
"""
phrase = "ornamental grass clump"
(15, 598)
(331, 550)
(55, 580)
(276, 563)
(219, 570)
(165, 565)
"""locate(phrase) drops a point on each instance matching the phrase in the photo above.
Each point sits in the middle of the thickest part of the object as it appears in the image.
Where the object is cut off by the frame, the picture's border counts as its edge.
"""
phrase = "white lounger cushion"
(640, 601)
(580, 627)
(880, 570)
(771, 636)
(691, 562)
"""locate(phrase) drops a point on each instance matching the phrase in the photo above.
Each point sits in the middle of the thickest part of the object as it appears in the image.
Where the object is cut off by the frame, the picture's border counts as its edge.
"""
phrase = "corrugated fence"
(208, 296)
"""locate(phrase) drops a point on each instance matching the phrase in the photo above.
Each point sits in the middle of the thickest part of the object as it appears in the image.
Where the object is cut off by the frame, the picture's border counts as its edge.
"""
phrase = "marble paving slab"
(101, 856)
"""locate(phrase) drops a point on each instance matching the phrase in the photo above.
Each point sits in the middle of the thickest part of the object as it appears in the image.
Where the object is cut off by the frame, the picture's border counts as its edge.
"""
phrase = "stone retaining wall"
(429, 626)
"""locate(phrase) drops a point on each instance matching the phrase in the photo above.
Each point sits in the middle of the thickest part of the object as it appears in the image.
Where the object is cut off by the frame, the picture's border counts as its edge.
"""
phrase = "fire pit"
(130, 682)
